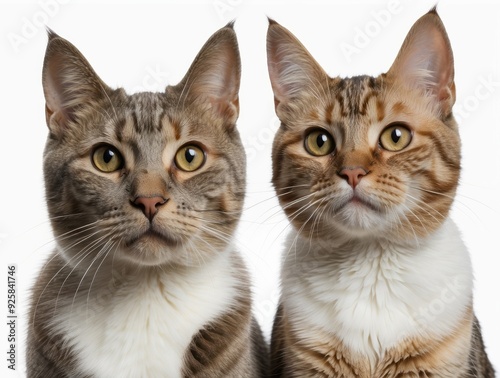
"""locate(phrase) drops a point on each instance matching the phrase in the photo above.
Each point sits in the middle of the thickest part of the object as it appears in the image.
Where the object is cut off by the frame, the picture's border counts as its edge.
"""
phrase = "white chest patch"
(143, 329)
(374, 296)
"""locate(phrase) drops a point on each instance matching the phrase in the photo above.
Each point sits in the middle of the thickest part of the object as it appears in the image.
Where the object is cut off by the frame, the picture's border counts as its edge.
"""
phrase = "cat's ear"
(425, 61)
(292, 69)
(214, 75)
(69, 83)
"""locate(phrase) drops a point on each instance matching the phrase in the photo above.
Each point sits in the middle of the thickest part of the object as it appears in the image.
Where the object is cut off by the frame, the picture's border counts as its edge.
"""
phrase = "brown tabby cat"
(144, 193)
(375, 279)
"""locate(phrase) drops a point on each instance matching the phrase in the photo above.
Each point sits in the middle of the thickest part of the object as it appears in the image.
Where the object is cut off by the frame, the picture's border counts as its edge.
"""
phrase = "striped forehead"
(147, 125)
(353, 95)
(347, 99)
(147, 113)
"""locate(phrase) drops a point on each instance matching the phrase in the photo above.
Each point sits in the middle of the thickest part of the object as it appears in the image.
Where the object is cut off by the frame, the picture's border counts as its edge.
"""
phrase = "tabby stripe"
(329, 113)
(209, 349)
(380, 110)
(161, 117)
(438, 186)
(135, 123)
(136, 150)
(365, 102)
(373, 83)
(340, 100)
(233, 171)
(398, 107)
(313, 114)
(119, 127)
(318, 359)
(444, 155)
(176, 126)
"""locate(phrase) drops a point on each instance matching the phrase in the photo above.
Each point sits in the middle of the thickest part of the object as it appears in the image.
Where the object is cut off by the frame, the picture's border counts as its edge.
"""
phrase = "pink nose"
(149, 205)
(353, 175)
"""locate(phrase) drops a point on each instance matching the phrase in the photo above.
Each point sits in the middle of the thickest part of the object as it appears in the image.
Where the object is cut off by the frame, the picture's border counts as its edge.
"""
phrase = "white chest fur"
(372, 295)
(143, 329)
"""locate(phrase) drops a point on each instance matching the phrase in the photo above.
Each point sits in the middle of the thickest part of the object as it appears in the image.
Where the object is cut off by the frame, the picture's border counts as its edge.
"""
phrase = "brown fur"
(213, 354)
(296, 353)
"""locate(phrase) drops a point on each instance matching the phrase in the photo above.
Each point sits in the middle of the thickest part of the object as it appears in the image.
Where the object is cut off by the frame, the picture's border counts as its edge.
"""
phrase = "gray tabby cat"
(144, 193)
(376, 282)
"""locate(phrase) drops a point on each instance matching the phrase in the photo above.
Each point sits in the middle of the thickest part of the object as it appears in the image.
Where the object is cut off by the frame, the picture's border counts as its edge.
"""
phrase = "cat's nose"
(149, 205)
(353, 175)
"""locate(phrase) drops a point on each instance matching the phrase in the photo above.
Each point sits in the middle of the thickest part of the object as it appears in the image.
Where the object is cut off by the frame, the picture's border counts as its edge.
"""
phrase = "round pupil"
(321, 140)
(108, 155)
(190, 155)
(396, 135)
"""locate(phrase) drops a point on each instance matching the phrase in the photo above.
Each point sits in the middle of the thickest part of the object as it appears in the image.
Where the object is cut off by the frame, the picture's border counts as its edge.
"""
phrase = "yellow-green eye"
(319, 143)
(395, 138)
(189, 158)
(107, 159)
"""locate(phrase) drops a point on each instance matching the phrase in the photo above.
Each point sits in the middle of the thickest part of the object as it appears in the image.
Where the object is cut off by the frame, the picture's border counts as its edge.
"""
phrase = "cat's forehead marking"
(354, 94)
(329, 113)
(176, 126)
(119, 128)
(147, 111)
(380, 110)
(399, 107)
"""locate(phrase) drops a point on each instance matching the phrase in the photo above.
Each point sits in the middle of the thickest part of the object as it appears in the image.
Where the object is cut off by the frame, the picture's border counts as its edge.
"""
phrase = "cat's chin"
(359, 217)
(150, 248)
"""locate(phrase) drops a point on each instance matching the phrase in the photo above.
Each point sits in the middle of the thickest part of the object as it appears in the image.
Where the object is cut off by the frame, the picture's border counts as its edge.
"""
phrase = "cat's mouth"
(358, 201)
(153, 236)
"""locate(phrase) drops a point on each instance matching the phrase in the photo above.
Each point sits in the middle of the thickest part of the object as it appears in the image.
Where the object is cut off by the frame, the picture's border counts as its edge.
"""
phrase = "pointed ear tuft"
(433, 10)
(230, 24)
(51, 34)
(214, 75)
(425, 61)
(271, 21)
(292, 69)
(69, 83)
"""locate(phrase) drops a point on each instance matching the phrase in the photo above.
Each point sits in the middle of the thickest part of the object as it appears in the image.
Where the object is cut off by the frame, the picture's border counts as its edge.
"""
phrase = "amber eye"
(319, 143)
(395, 138)
(107, 159)
(189, 158)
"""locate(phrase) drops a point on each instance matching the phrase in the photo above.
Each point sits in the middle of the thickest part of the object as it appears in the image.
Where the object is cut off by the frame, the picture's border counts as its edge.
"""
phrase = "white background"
(149, 45)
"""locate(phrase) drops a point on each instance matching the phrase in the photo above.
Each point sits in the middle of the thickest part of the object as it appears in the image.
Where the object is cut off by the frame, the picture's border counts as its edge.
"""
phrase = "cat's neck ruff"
(374, 295)
(142, 324)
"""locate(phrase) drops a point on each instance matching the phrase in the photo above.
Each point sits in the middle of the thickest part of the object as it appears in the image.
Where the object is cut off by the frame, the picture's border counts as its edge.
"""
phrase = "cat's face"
(149, 178)
(366, 156)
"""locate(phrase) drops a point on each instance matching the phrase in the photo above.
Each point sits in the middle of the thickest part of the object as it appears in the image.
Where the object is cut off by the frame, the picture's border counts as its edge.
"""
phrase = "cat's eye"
(318, 142)
(395, 138)
(107, 158)
(189, 158)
